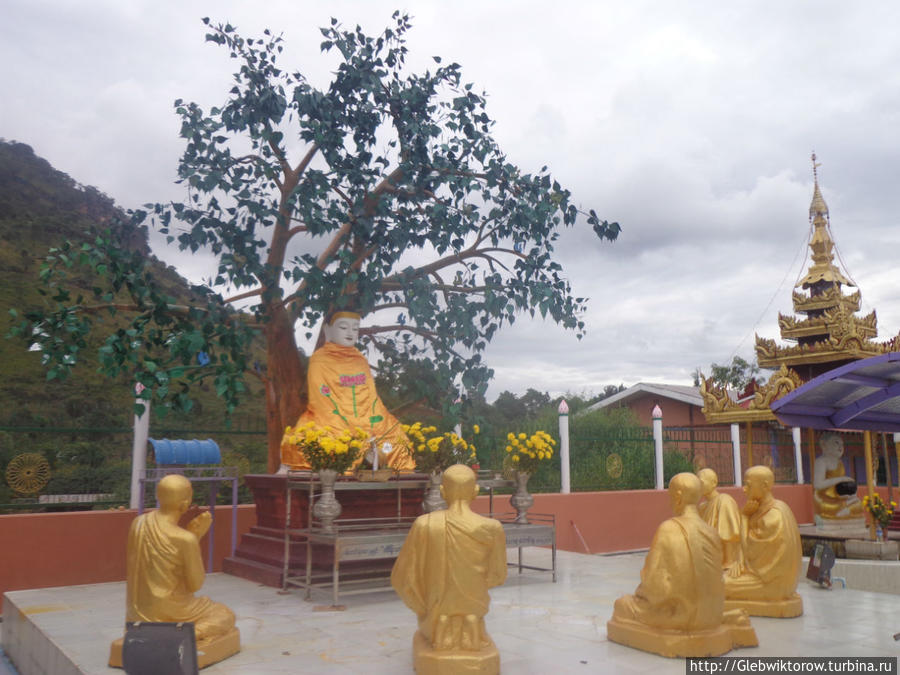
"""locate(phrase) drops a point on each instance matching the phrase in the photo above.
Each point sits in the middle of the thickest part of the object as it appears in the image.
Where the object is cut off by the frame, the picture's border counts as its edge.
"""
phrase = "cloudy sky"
(690, 123)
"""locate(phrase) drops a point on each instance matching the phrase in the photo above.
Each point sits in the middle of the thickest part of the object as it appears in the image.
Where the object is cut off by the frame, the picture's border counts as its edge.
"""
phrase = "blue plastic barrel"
(193, 451)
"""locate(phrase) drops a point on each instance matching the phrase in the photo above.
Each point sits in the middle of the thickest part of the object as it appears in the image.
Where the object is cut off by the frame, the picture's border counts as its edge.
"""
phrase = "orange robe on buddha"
(342, 395)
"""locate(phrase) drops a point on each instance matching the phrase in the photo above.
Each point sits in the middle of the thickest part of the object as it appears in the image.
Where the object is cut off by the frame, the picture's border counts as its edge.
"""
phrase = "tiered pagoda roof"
(824, 327)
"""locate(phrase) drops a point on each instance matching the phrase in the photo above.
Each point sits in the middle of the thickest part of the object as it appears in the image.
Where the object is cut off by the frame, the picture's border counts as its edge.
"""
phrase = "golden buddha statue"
(765, 583)
(342, 395)
(834, 494)
(447, 564)
(722, 514)
(678, 608)
(165, 568)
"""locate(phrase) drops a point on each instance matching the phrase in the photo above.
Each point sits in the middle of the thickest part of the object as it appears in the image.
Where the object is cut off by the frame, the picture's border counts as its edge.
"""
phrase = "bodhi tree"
(384, 193)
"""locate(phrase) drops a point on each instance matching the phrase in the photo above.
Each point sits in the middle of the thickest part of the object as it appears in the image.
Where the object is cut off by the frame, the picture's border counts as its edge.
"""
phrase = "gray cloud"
(690, 123)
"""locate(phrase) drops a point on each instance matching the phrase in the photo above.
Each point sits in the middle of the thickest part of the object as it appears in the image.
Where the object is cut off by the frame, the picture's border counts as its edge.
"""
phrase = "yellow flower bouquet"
(527, 453)
(433, 451)
(327, 448)
(881, 512)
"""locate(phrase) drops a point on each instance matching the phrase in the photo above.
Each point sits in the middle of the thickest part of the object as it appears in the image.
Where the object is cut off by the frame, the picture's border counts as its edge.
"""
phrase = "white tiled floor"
(539, 627)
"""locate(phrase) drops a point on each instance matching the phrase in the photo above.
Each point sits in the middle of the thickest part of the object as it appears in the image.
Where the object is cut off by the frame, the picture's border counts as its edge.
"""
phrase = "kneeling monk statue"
(447, 564)
(342, 396)
(678, 608)
(165, 567)
(765, 583)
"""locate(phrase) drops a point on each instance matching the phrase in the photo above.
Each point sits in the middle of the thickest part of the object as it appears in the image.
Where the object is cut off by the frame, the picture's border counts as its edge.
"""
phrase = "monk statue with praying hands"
(165, 568)
(342, 395)
(678, 608)
(447, 564)
(765, 583)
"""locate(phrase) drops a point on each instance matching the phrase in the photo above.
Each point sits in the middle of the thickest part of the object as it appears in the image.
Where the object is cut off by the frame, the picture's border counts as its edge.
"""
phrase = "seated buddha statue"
(165, 568)
(834, 494)
(765, 583)
(447, 564)
(678, 608)
(342, 395)
(722, 514)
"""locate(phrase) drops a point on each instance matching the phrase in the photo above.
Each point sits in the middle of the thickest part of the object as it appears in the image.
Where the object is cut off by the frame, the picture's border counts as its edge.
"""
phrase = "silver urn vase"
(327, 507)
(433, 500)
(521, 501)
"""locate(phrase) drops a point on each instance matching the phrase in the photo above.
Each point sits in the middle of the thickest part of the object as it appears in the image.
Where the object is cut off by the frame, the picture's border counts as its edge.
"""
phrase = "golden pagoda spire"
(823, 268)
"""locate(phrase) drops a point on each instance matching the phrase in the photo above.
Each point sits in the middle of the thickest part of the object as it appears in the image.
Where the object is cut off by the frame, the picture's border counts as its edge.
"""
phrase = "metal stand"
(540, 530)
(353, 540)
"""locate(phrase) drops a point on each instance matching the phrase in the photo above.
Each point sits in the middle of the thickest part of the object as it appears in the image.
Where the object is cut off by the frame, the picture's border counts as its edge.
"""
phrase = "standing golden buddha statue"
(342, 395)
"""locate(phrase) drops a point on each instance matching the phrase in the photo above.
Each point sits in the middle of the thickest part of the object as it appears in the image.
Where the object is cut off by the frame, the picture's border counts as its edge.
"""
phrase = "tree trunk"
(286, 395)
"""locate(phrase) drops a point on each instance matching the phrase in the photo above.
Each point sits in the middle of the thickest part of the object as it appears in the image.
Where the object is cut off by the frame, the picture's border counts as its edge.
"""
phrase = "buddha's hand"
(733, 570)
(199, 525)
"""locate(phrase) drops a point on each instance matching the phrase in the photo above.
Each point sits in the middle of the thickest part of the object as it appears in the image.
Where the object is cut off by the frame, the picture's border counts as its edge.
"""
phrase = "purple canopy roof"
(860, 395)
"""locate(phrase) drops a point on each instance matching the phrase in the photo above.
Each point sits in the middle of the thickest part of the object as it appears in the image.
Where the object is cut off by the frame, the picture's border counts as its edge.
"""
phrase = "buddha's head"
(708, 479)
(832, 444)
(174, 493)
(684, 490)
(459, 484)
(342, 329)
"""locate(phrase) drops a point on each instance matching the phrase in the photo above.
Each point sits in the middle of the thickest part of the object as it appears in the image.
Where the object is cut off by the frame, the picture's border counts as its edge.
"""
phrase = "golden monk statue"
(342, 395)
(722, 514)
(165, 568)
(678, 608)
(834, 494)
(765, 583)
(447, 564)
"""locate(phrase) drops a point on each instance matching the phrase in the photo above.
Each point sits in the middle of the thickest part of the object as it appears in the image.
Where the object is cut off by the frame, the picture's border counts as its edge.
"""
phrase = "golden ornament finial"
(815, 166)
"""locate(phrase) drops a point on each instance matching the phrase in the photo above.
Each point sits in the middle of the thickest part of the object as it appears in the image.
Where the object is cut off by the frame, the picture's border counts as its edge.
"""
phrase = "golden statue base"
(430, 661)
(680, 644)
(778, 609)
(207, 654)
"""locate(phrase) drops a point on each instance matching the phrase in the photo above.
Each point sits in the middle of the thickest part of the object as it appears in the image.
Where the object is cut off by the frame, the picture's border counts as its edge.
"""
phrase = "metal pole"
(798, 457)
(564, 482)
(736, 454)
(870, 479)
(139, 448)
(658, 446)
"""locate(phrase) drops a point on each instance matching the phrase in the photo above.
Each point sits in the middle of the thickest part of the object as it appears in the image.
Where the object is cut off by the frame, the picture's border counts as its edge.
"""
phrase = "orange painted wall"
(60, 549)
(626, 520)
(39, 550)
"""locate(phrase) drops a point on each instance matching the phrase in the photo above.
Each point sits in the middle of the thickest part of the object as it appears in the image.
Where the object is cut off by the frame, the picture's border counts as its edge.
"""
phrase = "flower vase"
(433, 500)
(521, 501)
(327, 507)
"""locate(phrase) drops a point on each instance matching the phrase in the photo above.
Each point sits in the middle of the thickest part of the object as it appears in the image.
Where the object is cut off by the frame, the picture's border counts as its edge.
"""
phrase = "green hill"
(41, 207)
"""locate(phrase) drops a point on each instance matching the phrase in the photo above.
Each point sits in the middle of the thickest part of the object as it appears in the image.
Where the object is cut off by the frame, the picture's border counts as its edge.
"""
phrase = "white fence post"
(658, 446)
(564, 484)
(139, 449)
(736, 452)
(798, 456)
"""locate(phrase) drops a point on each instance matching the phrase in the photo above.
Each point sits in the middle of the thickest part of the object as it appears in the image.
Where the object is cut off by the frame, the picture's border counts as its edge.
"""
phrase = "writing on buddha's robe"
(342, 395)
(772, 551)
(681, 582)
(164, 568)
(445, 568)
